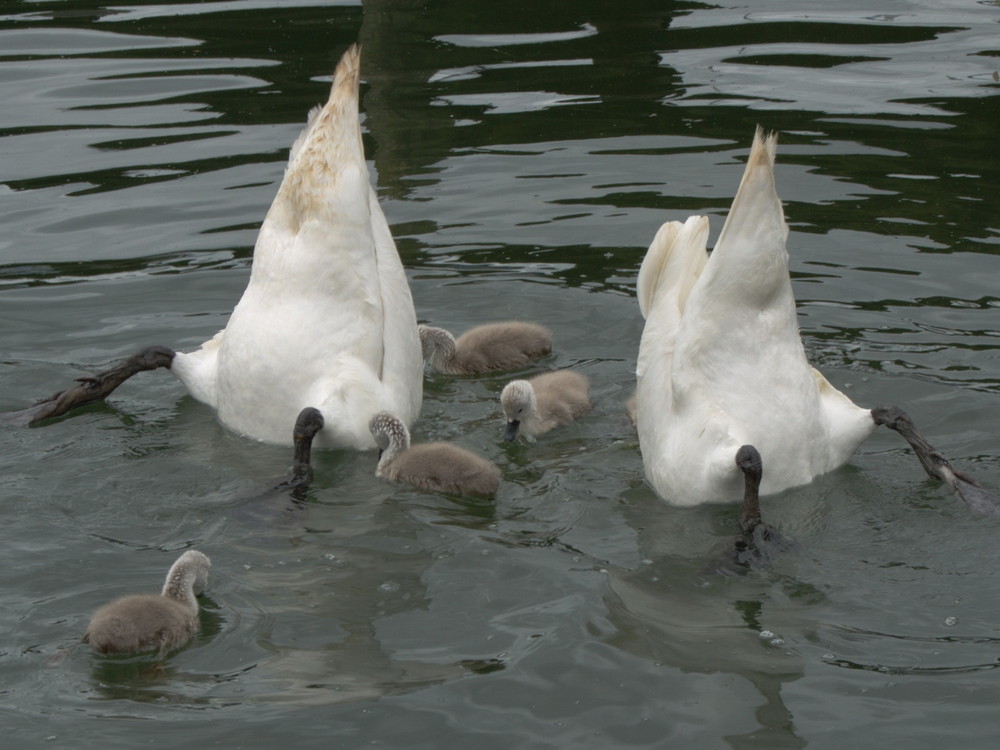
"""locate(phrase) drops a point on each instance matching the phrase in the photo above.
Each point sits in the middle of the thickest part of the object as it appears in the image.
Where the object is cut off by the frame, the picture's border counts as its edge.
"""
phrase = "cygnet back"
(445, 467)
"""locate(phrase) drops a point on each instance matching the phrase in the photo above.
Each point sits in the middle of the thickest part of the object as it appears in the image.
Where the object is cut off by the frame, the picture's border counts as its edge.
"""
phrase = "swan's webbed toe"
(974, 495)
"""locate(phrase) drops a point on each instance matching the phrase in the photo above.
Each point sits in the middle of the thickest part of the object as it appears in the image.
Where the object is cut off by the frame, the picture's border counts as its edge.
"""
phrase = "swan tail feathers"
(652, 265)
(326, 174)
(756, 219)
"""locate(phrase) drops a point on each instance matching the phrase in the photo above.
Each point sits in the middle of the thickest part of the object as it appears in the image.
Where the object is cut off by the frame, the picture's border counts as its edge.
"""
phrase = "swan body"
(147, 622)
(553, 399)
(327, 319)
(438, 467)
(507, 345)
(721, 363)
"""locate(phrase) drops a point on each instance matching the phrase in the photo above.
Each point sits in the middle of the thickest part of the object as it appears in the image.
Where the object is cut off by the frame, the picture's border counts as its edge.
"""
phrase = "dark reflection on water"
(525, 156)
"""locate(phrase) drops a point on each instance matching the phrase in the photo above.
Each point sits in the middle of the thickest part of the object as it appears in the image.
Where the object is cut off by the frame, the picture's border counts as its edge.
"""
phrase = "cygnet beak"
(512, 427)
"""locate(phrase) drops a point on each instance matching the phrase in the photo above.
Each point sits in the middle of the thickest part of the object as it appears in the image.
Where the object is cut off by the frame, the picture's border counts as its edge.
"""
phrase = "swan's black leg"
(973, 494)
(757, 541)
(307, 424)
(90, 388)
(746, 548)
(749, 462)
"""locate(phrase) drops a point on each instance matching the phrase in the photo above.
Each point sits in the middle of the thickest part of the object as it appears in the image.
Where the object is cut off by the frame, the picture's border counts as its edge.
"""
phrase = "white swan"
(721, 363)
(147, 622)
(327, 320)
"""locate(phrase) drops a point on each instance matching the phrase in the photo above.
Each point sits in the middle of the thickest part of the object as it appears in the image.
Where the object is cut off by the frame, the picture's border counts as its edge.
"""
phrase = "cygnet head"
(518, 402)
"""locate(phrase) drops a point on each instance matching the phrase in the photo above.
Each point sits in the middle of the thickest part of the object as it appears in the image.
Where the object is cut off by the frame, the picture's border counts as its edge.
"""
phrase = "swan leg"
(90, 388)
(749, 462)
(307, 424)
(974, 495)
(757, 541)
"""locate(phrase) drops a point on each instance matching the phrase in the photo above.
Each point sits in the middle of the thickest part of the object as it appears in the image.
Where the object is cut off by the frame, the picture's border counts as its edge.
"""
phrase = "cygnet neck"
(187, 577)
(438, 346)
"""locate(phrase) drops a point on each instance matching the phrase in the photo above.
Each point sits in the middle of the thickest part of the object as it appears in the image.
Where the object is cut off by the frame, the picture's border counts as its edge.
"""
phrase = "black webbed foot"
(974, 495)
(90, 388)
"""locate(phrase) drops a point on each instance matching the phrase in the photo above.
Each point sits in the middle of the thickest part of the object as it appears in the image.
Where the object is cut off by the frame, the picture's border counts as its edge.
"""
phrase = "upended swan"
(490, 347)
(721, 364)
(438, 467)
(148, 622)
(533, 407)
(327, 319)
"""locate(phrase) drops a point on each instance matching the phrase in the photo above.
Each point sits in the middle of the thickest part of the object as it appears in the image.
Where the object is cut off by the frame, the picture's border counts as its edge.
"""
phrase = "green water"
(524, 154)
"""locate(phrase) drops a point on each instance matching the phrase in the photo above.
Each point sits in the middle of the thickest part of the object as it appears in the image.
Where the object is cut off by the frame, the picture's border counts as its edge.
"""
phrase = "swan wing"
(669, 271)
(402, 371)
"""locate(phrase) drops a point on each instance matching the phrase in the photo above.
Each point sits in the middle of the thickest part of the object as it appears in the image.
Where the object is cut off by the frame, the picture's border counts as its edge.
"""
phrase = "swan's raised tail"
(327, 159)
(750, 254)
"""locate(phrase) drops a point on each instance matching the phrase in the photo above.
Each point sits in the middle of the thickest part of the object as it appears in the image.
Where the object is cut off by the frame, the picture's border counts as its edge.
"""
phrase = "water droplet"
(950, 621)
(389, 587)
